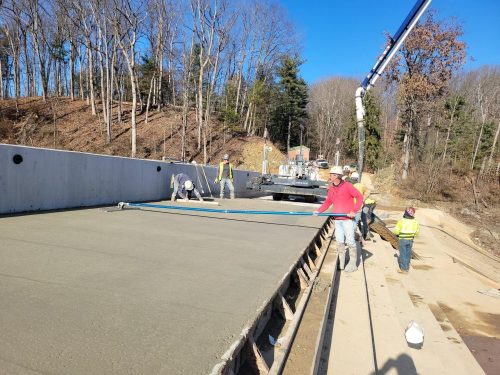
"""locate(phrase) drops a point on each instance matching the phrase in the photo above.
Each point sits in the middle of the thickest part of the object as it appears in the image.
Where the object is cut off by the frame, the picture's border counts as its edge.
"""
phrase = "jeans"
(344, 231)
(405, 247)
(229, 183)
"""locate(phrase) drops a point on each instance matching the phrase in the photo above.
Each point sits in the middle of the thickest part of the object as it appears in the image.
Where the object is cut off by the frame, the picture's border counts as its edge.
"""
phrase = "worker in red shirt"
(344, 198)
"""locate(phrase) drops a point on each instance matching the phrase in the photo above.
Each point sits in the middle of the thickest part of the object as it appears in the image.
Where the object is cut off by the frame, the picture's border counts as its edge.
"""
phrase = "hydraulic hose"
(122, 205)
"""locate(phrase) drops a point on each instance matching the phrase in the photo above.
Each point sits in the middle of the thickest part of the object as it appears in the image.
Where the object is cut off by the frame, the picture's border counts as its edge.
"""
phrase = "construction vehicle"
(296, 178)
(376, 224)
(392, 47)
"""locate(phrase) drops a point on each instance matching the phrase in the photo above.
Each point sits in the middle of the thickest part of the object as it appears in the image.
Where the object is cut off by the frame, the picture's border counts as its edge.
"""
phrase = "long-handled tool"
(123, 205)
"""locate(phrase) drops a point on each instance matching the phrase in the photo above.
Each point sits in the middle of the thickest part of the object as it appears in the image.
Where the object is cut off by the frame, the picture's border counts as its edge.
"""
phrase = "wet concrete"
(88, 291)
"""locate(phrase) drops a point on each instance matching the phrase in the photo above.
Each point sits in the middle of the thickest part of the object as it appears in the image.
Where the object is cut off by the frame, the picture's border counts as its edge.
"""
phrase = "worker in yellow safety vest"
(225, 176)
(406, 230)
(362, 214)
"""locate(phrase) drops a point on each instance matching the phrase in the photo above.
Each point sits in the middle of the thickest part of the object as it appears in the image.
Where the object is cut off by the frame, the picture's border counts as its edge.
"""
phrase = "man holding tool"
(225, 176)
(184, 187)
(344, 197)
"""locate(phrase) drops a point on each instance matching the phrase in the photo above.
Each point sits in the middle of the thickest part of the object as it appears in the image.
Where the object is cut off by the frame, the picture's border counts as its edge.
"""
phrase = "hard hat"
(355, 175)
(410, 211)
(336, 170)
(188, 185)
(414, 333)
(225, 157)
(346, 168)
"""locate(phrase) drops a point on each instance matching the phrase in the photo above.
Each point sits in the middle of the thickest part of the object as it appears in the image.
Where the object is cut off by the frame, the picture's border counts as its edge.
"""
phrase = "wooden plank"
(260, 363)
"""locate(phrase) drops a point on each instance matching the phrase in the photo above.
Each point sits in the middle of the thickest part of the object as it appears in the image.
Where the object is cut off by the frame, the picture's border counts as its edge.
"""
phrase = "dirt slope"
(69, 125)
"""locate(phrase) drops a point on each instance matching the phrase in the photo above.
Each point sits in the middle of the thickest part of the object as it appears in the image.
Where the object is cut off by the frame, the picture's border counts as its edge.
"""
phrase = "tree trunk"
(407, 151)
(72, 71)
(134, 106)
(492, 153)
(288, 136)
(91, 78)
(80, 77)
(477, 145)
(149, 98)
(2, 94)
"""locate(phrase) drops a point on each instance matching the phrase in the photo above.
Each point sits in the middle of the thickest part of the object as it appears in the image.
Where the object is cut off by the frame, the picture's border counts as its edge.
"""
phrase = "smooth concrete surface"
(136, 291)
(52, 179)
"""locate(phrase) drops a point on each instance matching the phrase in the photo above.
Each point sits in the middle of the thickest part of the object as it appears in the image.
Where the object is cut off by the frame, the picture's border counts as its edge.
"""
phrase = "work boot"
(172, 198)
(353, 255)
(341, 261)
(222, 196)
(232, 195)
(341, 252)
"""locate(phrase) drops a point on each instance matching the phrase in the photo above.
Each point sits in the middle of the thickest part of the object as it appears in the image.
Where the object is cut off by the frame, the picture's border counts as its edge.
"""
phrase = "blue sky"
(344, 37)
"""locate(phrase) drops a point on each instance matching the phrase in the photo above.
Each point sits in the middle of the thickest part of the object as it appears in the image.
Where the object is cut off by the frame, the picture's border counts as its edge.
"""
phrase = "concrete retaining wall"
(34, 179)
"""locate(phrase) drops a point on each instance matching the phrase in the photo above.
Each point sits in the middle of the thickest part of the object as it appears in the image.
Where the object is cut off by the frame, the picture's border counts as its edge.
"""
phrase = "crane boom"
(379, 67)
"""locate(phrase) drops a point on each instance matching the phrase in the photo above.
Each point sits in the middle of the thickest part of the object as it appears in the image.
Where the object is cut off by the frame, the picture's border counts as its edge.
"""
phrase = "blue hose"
(242, 212)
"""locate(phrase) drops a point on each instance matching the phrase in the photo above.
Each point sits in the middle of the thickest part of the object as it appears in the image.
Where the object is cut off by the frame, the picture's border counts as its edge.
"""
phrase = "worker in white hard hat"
(183, 186)
(346, 172)
(345, 199)
(361, 218)
(225, 177)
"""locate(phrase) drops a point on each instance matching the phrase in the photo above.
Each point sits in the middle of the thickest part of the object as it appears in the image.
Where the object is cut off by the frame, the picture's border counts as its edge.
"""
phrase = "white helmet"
(355, 175)
(337, 170)
(346, 168)
(226, 157)
(188, 185)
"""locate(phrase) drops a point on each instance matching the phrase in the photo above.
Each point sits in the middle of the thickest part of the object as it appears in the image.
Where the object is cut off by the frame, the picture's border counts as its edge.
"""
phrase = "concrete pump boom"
(377, 70)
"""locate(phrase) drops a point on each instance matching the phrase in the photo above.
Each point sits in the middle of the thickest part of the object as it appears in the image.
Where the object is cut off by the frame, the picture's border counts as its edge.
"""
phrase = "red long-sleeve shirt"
(342, 198)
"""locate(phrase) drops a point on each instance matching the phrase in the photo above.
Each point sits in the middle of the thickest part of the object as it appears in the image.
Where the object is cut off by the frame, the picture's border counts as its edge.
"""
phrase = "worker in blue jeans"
(225, 176)
(406, 230)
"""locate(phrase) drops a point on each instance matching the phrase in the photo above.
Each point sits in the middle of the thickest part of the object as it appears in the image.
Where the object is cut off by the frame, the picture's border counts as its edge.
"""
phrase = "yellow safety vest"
(406, 228)
(221, 169)
(361, 188)
(369, 201)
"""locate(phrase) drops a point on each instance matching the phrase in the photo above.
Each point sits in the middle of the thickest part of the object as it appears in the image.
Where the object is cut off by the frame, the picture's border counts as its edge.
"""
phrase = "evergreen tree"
(373, 147)
(290, 103)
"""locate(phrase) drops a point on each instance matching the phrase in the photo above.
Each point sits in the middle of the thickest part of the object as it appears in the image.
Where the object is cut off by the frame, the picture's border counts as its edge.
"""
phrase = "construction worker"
(345, 199)
(362, 189)
(406, 229)
(367, 216)
(225, 176)
(346, 173)
(183, 186)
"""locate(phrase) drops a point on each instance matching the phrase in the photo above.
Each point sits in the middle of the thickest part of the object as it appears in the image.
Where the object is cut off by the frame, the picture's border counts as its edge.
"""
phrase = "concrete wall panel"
(53, 179)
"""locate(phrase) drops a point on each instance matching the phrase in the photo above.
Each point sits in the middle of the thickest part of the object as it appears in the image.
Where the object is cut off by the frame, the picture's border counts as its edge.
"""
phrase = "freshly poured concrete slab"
(135, 291)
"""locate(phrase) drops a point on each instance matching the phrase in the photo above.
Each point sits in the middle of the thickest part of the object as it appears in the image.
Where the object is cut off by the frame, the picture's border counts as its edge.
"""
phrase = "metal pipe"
(360, 120)
(395, 43)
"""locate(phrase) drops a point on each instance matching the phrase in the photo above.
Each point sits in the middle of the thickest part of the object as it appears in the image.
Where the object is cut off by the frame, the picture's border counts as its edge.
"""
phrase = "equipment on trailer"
(297, 178)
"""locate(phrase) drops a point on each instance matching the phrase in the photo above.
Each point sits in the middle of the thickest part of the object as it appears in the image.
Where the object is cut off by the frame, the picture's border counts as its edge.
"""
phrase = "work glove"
(216, 181)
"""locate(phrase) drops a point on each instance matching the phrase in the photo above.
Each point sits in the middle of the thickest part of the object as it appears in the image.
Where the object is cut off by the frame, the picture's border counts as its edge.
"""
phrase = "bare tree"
(127, 21)
(430, 55)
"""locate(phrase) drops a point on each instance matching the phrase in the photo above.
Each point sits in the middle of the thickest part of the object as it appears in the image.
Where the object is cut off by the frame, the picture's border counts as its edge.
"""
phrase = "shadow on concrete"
(403, 364)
